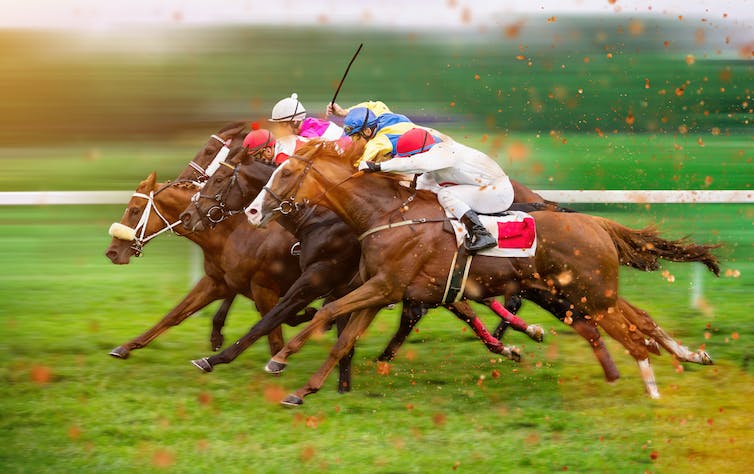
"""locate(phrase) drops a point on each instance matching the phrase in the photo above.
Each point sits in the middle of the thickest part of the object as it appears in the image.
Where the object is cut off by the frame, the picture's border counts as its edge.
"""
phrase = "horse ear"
(151, 179)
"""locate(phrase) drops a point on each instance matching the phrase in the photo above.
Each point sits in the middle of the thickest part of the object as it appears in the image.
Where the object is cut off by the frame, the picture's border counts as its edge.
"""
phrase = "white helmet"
(288, 110)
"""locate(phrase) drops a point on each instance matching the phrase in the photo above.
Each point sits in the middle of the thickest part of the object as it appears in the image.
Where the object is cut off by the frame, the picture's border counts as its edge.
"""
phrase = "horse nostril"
(185, 218)
(111, 254)
(252, 211)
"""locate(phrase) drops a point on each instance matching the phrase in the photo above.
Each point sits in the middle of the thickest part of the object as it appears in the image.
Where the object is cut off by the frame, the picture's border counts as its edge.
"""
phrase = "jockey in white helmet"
(466, 180)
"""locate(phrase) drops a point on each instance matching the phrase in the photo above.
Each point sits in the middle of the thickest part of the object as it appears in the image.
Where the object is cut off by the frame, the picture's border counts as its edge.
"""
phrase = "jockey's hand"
(335, 109)
(369, 166)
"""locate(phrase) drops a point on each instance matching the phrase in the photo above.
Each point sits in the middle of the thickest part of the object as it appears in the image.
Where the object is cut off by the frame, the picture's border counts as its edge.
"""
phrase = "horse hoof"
(274, 367)
(120, 352)
(202, 364)
(515, 354)
(706, 359)
(535, 332)
(292, 401)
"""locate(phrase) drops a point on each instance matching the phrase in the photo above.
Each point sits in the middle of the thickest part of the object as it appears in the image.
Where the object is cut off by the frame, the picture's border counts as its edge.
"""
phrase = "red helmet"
(258, 139)
(416, 140)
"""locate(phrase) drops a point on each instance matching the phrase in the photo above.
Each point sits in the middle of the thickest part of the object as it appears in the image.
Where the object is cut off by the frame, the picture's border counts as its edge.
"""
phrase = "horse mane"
(231, 126)
(330, 150)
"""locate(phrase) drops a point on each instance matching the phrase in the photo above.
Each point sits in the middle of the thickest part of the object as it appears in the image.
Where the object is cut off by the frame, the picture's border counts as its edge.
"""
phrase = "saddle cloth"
(515, 231)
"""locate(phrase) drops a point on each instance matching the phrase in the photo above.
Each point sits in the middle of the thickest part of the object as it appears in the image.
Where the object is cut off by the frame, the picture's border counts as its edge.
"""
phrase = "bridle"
(139, 238)
(222, 154)
(287, 206)
(219, 211)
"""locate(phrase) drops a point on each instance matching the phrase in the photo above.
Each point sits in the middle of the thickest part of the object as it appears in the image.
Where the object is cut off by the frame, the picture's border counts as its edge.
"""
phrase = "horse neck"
(173, 201)
(297, 223)
(366, 201)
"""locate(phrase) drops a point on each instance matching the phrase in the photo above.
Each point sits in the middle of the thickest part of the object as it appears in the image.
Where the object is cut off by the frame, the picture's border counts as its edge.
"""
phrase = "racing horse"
(221, 143)
(330, 253)
(230, 190)
(574, 273)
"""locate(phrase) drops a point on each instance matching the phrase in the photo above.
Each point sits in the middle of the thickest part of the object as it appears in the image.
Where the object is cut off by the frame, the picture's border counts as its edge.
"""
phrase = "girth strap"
(379, 228)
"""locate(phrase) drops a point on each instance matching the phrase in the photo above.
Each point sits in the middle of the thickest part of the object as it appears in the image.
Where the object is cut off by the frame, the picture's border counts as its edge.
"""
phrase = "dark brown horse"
(574, 273)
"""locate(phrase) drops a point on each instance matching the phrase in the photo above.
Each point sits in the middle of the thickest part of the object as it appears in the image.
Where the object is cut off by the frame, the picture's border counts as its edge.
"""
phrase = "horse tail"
(641, 249)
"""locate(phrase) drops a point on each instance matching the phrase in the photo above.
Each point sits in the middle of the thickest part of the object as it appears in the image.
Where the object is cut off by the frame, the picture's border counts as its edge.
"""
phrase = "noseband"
(219, 212)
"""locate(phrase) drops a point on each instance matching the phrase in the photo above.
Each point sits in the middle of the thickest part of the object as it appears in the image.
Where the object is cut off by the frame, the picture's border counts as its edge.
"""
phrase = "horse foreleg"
(410, 315)
(372, 294)
(344, 364)
(203, 293)
(356, 326)
(305, 289)
(589, 331)
(265, 299)
(512, 305)
(463, 311)
(216, 338)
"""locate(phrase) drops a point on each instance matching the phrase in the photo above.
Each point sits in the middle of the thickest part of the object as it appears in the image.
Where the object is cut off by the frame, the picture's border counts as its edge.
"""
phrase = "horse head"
(225, 142)
(317, 165)
(146, 217)
(233, 185)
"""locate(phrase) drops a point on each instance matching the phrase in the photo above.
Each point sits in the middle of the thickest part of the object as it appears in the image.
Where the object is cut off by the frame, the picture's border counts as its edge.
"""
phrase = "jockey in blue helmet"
(377, 125)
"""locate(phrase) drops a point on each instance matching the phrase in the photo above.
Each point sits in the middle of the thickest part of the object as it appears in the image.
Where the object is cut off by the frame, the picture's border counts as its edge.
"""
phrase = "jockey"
(374, 122)
(466, 180)
(260, 145)
(293, 127)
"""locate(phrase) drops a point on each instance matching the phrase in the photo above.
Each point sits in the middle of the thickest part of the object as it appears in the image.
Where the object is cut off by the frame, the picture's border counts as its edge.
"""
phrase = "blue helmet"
(358, 119)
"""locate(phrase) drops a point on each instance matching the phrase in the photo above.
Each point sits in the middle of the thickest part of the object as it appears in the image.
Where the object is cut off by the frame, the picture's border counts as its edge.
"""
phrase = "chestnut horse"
(330, 253)
(225, 141)
(574, 273)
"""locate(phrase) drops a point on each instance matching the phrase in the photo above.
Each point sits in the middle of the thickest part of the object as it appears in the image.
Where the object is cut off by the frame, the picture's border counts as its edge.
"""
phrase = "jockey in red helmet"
(466, 180)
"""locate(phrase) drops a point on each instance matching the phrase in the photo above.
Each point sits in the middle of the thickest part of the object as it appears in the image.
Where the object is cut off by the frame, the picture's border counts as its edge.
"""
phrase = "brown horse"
(225, 141)
(329, 258)
(238, 259)
(574, 273)
(633, 328)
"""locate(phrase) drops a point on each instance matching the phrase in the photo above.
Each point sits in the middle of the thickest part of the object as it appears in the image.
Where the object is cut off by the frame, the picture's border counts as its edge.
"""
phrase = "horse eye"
(133, 210)
(286, 172)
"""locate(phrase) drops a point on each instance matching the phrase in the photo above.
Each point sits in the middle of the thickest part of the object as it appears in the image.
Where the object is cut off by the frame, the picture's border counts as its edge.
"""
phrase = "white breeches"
(494, 197)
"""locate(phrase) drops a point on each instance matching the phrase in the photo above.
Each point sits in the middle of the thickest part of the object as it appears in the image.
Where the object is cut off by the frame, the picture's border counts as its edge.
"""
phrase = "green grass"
(108, 118)
(68, 407)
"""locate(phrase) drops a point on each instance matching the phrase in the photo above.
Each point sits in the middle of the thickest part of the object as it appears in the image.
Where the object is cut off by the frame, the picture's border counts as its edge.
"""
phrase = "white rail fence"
(45, 198)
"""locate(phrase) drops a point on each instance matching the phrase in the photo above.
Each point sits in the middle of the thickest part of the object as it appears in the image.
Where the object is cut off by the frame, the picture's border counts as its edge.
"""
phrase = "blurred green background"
(609, 102)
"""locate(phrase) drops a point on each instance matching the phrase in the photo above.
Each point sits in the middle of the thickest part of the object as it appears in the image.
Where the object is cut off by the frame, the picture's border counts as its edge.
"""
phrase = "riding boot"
(479, 238)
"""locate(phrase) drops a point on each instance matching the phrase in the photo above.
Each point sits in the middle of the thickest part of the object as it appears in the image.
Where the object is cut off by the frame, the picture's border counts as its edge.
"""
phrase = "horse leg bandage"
(517, 323)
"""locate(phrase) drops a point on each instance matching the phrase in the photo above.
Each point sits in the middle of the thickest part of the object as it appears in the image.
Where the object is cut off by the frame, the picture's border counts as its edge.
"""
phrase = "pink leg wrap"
(483, 333)
(517, 323)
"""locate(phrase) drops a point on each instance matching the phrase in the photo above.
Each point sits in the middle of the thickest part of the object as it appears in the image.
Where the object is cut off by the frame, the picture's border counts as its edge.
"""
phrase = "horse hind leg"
(410, 315)
(644, 322)
(509, 318)
(617, 326)
(463, 311)
(589, 331)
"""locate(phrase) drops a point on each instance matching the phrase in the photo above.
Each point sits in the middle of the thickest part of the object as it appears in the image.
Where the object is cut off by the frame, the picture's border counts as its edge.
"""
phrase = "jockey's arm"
(376, 149)
(436, 158)
(376, 106)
